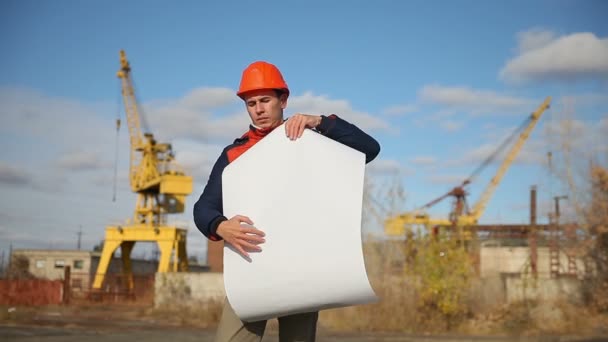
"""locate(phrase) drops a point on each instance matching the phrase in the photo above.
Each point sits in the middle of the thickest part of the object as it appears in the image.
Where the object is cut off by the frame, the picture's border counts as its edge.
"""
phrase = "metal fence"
(114, 289)
(31, 292)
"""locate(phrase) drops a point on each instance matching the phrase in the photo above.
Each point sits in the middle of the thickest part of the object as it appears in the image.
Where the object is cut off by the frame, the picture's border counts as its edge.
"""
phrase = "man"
(265, 94)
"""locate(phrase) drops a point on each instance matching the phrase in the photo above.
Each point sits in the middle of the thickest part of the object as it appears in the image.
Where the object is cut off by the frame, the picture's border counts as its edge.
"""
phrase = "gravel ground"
(97, 324)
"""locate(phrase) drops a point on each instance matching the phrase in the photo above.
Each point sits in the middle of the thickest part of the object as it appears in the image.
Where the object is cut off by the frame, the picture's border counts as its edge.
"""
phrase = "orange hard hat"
(261, 75)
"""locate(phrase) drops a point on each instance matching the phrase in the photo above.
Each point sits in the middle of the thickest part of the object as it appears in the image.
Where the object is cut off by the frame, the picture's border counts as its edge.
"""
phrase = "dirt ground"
(111, 324)
(25, 333)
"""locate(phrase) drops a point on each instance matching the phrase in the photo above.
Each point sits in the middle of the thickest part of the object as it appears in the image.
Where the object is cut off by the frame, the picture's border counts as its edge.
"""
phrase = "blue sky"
(439, 84)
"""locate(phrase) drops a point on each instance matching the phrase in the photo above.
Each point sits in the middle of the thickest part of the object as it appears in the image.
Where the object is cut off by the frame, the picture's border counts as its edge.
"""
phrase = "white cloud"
(534, 39)
(584, 100)
(473, 101)
(386, 166)
(197, 159)
(310, 103)
(453, 180)
(400, 110)
(532, 152)
(585, 138)
(13, 175)
(82, 161)
(206, 98)
(106, 180)
(195, 116)
(52, 120)
(451, 125)
(214, 115)
(424, 160)
(542, 57)
(19, 175)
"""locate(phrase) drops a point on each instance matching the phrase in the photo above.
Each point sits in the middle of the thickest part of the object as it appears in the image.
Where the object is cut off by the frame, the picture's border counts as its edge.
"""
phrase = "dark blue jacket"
(208, 211)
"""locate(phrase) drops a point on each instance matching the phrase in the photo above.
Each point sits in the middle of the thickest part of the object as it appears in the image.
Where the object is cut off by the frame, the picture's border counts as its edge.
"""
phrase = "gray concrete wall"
(194, 290)
(188, 289)
(501, 259)
(489, 293)
(543, 289)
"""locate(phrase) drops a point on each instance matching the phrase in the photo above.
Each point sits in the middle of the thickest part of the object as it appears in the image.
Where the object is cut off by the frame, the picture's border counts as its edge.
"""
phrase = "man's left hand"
(294, 127)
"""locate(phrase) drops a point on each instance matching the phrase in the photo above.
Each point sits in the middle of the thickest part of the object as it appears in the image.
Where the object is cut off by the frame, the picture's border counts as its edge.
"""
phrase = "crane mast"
(161, 189)
(460, 216)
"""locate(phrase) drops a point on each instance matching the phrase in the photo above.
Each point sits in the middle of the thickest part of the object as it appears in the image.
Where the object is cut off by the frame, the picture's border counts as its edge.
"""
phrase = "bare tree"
(578, 161)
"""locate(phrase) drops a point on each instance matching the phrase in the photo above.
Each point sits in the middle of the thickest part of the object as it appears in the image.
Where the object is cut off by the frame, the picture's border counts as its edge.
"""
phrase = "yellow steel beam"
(168, 238)
(109, 246)
(125, 253)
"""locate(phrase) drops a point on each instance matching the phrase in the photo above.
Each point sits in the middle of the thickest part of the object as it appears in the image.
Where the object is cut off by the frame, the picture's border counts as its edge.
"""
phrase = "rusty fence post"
(66, 285)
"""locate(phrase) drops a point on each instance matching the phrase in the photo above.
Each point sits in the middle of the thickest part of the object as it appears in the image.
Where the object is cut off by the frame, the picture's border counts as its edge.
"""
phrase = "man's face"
(265, 107)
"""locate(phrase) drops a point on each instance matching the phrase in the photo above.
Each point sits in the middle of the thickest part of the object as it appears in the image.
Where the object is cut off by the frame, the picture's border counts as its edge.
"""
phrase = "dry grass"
(202, 314)
(482, 307)
(394, 312)
(535, 318)
(412, 298)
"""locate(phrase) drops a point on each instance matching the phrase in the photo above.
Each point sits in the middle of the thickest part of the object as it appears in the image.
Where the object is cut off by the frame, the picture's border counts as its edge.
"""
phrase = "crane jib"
(460, 215)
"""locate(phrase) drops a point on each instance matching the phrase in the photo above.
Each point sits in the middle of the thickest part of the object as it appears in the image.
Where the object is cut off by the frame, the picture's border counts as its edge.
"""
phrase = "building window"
(40, 263)
(78, 264)
(59, 263)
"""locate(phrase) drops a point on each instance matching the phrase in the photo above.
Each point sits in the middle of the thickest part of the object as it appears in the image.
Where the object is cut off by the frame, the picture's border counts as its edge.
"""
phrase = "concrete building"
(50, 264)
(496, 259)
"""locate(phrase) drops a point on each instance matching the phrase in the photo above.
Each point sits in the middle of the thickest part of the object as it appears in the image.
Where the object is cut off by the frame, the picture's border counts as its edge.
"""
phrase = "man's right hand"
(242, 238)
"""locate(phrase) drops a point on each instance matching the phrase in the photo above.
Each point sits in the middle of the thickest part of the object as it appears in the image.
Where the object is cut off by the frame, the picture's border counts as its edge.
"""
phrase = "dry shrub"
(516, 319)
(19, 268)
(486, 294)
(579, 162)
(421, 290)
(596, 217)
(444, 271)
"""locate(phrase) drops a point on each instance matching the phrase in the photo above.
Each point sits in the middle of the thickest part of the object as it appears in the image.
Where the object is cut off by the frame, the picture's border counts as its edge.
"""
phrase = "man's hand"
(294, 127)
(242, 238)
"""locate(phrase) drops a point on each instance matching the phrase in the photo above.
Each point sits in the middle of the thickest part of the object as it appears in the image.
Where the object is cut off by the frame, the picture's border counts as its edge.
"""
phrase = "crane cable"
(498, 150)
(485, 163)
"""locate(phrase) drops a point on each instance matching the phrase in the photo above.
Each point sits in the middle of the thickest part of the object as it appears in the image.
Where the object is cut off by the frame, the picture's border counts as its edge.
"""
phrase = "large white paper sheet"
(306, 195)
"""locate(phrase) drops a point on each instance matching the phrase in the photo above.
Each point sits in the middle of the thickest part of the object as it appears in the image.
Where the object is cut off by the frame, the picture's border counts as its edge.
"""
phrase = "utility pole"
(10, 257)
(2, 270)
(557, 213)
(533, 233)
(79, 235)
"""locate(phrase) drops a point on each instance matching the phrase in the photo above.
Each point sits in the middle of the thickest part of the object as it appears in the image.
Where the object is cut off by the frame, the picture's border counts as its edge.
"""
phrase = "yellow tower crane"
(161, 189)
(460, 216)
